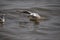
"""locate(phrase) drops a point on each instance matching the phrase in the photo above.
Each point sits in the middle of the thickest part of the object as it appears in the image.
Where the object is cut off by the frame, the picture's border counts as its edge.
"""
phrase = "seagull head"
(26, 12)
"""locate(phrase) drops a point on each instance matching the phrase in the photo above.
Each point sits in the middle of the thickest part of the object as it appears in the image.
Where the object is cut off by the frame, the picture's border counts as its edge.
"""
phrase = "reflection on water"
(19, 27)
(1, 25)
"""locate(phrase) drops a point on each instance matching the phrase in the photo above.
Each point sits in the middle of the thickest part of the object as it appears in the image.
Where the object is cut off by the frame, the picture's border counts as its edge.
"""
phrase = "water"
(19, 27)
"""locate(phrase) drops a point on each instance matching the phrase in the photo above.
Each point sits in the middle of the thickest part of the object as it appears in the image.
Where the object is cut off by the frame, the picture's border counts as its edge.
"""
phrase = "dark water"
(18, 26)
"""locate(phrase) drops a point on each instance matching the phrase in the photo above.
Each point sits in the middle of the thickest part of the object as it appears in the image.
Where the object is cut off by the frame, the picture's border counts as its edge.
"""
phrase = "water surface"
(19, 27)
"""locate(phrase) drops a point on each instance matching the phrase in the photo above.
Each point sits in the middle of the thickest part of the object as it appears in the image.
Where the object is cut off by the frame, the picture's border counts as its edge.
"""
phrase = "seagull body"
(35, 14)
(34, 17)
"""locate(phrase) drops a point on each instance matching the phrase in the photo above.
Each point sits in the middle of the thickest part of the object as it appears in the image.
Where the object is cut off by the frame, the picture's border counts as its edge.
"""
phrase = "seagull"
(2, 18)
(32, 14)
(35, 17)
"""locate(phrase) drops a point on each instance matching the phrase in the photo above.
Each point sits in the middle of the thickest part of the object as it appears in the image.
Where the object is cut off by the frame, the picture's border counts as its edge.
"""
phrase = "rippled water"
(19, 27)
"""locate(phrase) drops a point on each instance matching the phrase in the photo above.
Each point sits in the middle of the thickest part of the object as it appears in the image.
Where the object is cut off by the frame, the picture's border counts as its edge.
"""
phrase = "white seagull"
(2, 18)
(34, 16)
